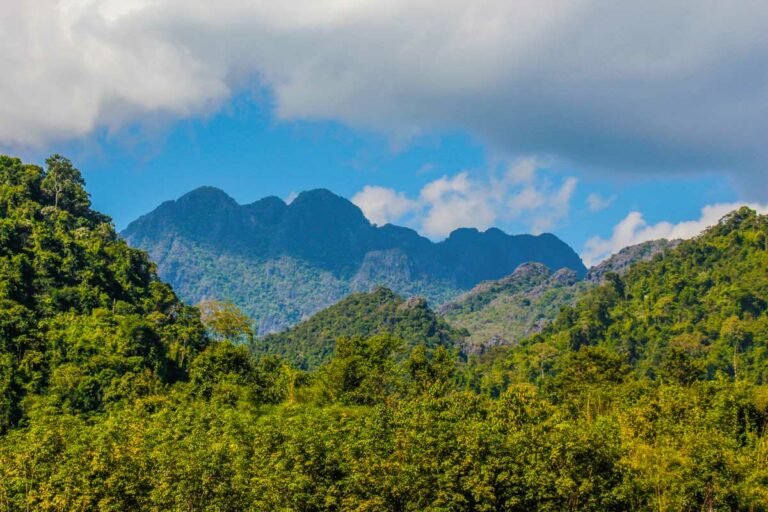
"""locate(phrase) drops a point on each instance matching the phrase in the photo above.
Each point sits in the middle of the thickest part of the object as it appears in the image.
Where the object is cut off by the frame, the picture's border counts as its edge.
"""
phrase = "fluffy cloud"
(451, 202)
(633, 229)
(383, 205)
(630, 86)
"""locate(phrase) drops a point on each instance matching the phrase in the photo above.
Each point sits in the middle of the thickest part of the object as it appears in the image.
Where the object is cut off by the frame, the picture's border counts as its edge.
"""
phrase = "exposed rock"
(620, 262)
(280, 262)
(563, 277)
(413, 303)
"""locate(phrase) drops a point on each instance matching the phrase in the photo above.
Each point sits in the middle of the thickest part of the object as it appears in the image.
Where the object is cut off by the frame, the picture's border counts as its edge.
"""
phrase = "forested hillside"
(380, 311)
(698, 312)
(283, 262)
(648, 394)
(503, 312)
(84, 321)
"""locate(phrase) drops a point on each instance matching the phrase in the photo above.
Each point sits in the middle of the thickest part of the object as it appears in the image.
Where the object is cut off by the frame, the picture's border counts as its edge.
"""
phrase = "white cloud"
(633, 229)
(383, 205)
(643, 86)
(596, 202)
(557, 207)
(452, 202)
(456, 202)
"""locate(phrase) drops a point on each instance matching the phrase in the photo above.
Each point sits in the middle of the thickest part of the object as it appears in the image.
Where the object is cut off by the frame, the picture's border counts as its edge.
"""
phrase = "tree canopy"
(648, 394)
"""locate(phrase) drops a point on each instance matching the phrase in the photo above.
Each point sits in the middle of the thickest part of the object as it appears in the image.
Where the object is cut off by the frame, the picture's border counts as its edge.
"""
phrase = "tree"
(363, 371)
(430, 371)
(225, 321)
(65, 185)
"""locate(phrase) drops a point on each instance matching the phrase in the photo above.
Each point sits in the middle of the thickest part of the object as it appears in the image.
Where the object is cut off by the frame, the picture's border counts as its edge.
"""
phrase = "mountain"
(364, 314)
(647, 394)
(505, 311)
(502, 312)
(282, 262)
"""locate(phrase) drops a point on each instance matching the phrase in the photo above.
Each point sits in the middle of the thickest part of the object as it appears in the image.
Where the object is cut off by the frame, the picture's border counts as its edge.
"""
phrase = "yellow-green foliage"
(84, 320)
(647, 395)
(699, 311)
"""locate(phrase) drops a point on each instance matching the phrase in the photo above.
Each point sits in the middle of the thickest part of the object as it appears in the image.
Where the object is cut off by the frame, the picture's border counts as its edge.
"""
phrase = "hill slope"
(281, 263)
(700, 310)
(84, 320)
(380, 311)
(508, 310)
(503, 312)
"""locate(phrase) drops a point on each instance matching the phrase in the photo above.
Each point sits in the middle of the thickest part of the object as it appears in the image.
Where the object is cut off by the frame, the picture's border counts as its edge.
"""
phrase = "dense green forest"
(698, 312)
(648, 394)
(379, 311)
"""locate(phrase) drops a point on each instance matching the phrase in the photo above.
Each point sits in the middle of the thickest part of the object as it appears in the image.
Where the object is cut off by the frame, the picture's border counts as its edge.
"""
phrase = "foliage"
(648, 394)
(698, 312)
(225, 321)
(84, 321)
(312, 342)
(506, 311)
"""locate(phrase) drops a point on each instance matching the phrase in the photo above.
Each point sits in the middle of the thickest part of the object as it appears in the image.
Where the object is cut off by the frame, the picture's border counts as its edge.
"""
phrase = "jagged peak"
(461, 233)
(268, 200)
(206, 195)
(530, 267)
(319, 195)
(322, 201)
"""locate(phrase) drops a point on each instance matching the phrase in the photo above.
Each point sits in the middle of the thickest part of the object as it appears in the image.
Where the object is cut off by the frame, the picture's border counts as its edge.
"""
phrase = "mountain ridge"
(282, 262)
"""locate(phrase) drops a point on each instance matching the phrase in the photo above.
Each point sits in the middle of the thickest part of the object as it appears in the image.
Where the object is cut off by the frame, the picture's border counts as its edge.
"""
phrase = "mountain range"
(494, 314)
(646, 392)
(283, 262)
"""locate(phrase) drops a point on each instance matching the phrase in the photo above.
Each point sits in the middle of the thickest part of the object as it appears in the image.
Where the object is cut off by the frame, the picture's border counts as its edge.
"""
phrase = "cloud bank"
(633, 229)
(622, 87)
(520, 194)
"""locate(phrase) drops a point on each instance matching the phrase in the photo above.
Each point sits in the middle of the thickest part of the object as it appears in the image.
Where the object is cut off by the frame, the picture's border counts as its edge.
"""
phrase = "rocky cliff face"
(283, 262)
(502, 312)
(620, 262)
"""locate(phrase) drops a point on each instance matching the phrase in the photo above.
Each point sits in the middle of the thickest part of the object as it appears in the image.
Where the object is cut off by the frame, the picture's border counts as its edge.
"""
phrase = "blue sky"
(249, 154)
(606, 125)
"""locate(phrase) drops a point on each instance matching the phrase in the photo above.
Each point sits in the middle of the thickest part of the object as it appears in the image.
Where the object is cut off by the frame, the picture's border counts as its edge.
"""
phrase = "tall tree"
(225, 321)
(65, 185)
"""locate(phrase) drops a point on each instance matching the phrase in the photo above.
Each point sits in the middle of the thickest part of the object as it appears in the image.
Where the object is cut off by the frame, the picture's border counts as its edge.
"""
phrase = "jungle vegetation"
(648, 394)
